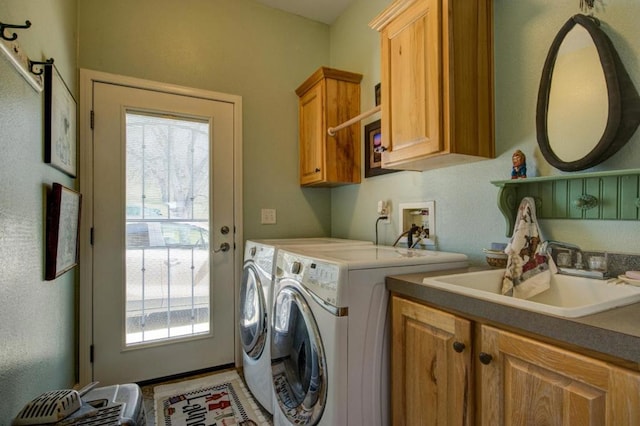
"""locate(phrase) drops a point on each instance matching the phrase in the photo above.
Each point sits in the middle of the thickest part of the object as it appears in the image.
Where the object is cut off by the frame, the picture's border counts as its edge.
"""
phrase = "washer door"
(298, 364)
(253, 313)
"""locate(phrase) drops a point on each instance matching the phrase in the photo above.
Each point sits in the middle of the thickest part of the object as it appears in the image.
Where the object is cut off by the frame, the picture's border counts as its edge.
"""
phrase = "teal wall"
(467, 216)
(37, 317)
(243, 48)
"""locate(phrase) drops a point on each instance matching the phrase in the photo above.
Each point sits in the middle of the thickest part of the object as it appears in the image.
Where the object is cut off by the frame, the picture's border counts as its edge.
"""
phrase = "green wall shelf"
(613, 195)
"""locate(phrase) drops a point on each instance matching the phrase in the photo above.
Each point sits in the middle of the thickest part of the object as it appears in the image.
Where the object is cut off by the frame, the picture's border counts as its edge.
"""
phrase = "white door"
(163, 223)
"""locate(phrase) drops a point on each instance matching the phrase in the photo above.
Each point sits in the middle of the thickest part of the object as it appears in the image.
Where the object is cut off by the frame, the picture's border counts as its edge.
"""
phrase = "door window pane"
(167, 227)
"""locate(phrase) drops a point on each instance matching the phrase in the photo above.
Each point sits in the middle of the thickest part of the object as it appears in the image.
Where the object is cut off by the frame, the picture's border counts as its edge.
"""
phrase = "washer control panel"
(321, 278)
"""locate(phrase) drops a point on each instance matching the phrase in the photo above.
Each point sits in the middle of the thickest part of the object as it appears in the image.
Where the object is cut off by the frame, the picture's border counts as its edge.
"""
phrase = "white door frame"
(85, 178)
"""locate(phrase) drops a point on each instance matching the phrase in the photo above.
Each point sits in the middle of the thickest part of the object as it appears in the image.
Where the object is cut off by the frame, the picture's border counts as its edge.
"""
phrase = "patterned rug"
(220, 399)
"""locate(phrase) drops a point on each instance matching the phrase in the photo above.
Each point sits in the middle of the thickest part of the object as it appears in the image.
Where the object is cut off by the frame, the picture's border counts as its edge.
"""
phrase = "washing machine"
(330, 331)
(255, 308)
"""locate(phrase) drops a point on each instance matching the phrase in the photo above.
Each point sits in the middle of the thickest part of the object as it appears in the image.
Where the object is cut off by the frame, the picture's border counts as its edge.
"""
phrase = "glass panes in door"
(167, 227)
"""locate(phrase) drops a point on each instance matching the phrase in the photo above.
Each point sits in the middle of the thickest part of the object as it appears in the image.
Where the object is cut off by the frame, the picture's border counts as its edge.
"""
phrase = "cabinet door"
(312, 124)
(412, 92)
(531, 383)
(437, 82)
(431, 376)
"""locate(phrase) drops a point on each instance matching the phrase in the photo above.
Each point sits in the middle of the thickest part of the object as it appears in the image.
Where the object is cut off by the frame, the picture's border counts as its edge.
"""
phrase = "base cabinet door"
(526, 382)
(431, 366)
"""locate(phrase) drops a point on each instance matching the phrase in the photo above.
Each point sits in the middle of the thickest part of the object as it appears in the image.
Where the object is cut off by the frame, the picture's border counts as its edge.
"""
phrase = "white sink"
(568, 297)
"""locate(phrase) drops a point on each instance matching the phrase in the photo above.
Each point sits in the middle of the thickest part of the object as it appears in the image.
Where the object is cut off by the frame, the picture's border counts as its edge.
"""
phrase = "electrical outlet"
(268, 216)
(421, 214)
(384, 209)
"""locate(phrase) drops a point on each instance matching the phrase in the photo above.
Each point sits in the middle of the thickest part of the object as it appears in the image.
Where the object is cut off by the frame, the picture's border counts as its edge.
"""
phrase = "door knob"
(223, 247)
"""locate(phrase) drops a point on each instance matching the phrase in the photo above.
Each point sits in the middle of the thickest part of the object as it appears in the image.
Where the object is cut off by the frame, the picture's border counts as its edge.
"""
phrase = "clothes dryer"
(330, 331)
(255, 308)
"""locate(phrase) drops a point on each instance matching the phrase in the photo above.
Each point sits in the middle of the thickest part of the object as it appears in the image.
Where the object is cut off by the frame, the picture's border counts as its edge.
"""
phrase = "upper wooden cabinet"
(328, 98)
(437, 82)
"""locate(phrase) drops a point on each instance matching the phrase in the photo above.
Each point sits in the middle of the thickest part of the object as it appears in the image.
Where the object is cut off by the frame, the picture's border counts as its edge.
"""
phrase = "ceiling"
(325, 11)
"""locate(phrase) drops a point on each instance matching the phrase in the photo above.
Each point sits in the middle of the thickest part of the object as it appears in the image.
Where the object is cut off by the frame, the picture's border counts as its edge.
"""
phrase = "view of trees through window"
(167, 226)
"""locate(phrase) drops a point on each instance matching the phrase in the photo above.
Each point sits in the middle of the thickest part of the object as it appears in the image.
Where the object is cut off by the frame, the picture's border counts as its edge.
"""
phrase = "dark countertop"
(614, 333)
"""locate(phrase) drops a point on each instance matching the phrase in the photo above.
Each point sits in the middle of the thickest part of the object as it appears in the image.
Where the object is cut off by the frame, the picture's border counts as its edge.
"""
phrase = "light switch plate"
(268, 216)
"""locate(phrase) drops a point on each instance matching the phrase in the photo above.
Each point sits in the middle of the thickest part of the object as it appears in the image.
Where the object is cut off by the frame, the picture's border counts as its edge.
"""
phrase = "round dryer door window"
(298, 365)
(253, 313)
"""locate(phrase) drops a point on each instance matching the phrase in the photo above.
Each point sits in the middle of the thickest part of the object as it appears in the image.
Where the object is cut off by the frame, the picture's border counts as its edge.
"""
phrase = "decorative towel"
(528, 267)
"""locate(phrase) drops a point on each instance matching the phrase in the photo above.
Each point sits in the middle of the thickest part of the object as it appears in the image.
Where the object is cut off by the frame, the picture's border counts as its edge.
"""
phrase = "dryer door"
(253, 312)
(298, 363)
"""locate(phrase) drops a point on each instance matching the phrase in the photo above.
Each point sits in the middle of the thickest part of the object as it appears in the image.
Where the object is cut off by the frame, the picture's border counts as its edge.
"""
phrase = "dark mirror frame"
(624, 102)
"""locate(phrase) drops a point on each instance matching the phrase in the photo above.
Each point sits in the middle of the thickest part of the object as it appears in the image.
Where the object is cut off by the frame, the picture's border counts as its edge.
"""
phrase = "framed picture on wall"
(60, 143)
(372, 151)
(63, 224)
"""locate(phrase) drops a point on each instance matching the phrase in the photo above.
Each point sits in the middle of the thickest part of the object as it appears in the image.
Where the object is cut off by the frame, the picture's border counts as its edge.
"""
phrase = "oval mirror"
(587, 107)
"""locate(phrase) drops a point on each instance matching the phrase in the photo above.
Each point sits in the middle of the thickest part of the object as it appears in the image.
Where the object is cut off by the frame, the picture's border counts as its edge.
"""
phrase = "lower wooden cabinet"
(430, 366)
(526, 382)
(448, 370)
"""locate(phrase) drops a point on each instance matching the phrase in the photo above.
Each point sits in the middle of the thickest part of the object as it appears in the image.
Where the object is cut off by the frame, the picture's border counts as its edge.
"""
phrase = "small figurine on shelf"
(519, 169)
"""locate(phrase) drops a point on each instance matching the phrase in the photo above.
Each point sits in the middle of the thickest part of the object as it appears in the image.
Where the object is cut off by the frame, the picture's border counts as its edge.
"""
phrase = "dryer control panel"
(261, 255)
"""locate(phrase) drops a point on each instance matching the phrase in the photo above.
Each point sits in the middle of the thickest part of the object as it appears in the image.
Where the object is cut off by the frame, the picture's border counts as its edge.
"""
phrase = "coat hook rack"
(42, 64)
(14, 36)
(11, 49)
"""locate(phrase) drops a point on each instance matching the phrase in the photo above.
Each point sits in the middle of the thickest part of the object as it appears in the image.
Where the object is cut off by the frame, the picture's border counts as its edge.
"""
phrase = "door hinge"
(91, 236)
(92, 119)
(91, 353)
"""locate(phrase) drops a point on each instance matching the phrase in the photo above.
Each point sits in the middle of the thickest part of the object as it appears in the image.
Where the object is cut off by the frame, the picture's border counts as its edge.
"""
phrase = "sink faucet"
(568, 268)
(549, 245)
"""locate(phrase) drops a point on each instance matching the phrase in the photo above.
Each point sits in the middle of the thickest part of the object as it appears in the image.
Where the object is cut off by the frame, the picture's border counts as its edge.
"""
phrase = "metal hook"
(46, 63)
(27, 24)
(586, 4)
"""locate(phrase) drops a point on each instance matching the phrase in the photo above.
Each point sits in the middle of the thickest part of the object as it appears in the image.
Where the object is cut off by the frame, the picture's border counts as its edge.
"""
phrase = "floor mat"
(219, 399)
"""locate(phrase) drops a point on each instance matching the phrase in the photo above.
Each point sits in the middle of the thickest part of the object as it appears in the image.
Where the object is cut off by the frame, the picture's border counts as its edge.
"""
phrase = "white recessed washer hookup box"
(422, 214)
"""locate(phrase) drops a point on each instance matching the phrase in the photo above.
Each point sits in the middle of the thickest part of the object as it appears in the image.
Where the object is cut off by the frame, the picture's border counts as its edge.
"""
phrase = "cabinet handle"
(458, 346)
(317, 169)
(485, 358)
